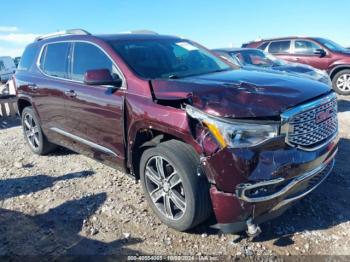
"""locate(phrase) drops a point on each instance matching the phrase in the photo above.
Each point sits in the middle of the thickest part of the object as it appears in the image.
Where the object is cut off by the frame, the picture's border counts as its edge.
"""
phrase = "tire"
(193, 189)
(341, 82)
(33, 133)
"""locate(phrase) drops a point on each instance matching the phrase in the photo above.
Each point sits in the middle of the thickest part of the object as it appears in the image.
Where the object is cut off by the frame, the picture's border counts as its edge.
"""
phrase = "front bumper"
(267, 182)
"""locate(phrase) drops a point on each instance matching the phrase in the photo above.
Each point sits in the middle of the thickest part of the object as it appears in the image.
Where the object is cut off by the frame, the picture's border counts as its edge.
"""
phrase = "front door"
(94, 114)
(304, 52)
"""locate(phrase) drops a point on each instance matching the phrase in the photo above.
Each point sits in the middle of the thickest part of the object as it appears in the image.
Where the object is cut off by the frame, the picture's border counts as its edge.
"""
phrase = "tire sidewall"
(187, 219)
(334, 82)
(26, 111)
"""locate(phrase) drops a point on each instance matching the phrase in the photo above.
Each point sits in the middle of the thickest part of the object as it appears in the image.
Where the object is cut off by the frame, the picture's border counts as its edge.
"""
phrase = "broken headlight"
(235, 133)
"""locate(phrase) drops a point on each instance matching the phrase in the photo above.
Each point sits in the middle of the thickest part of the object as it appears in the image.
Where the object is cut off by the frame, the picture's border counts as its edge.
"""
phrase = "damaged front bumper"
(254, 201)
(269, 190)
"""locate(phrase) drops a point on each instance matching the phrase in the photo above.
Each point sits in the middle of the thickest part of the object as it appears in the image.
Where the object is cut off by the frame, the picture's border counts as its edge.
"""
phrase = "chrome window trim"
(38, 64)
(285, 117)
(84, 141)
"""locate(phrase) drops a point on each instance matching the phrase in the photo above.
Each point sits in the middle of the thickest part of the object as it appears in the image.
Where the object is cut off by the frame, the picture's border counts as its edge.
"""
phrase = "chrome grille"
(303, 125)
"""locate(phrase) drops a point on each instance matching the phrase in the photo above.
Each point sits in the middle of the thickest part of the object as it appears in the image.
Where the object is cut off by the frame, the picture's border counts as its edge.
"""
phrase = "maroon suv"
(202, 136)
(318, 52)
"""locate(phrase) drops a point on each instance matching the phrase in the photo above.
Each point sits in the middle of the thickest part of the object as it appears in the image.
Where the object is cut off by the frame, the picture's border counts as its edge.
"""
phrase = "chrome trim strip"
(124, 84)
(308, 106)
(285, 189)
(83, 141)
(335, 136)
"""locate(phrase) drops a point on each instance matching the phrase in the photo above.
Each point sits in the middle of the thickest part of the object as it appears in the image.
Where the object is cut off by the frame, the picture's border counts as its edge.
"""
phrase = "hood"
(294, 69)
(240, 93)
(287, 68)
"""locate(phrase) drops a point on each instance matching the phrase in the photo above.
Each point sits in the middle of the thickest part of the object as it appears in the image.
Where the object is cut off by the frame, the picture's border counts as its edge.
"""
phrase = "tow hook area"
(253, 230)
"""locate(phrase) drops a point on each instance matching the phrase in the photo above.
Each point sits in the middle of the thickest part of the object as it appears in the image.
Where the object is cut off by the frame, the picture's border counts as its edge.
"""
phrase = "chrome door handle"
(70, 93)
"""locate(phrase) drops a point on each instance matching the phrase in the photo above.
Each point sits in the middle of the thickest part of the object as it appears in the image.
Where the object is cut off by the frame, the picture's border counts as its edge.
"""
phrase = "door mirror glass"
(102, 77)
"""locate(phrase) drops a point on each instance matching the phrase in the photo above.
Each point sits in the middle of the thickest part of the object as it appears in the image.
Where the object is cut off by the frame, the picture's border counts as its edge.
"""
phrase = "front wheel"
(341, 82)
(173, 188)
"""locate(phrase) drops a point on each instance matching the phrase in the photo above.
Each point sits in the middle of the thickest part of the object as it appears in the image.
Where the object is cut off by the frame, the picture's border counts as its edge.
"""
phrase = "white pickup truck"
(7, 68)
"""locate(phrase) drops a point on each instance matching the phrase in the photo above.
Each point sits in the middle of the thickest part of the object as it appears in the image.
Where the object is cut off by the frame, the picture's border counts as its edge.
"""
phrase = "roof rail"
(62, 33)
(142, 31)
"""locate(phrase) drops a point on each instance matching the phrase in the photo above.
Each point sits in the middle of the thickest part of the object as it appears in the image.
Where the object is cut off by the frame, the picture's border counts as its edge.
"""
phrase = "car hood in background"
(295, 69)
(240, 93)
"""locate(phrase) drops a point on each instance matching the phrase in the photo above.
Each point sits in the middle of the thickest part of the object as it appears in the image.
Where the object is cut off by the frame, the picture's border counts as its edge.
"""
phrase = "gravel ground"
(66, 203)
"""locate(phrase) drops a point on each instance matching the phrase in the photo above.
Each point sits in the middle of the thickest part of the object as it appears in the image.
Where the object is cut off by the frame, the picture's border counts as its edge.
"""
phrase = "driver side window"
(88, 57)
(305, 47)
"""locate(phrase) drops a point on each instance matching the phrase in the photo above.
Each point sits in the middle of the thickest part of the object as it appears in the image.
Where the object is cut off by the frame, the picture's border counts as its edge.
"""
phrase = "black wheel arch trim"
(342, 67)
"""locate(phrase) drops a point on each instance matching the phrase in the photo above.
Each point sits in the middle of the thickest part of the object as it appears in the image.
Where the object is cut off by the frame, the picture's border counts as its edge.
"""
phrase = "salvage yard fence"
(8, 106)
(8, 100)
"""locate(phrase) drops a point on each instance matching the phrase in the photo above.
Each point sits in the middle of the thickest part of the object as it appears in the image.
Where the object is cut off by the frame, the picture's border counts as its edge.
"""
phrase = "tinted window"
(331, 45)
(255, 57)
(305, 47)
(279, 47)
(230, 57)
(263, 46)
(171, 58)
(88, 57)
(28, 58)
(54, 59)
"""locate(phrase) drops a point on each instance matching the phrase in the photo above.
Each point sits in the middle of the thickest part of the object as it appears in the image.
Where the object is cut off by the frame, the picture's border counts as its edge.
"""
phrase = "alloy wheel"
(164, 185)
(343, 82)
(31, 130)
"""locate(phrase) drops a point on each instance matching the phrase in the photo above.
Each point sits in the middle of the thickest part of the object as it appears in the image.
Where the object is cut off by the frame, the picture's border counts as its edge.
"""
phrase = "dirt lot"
(66, 203)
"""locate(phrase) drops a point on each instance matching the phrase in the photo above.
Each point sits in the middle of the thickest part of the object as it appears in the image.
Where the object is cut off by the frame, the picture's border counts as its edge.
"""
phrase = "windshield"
(167, 58)
(331, 45)
(257, 58)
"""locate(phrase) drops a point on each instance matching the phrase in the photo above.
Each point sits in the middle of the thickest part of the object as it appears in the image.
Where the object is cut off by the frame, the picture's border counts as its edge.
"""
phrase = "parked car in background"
(201, 136)
(317, 52)
(256, 59)
(7, 68)
(16, 60)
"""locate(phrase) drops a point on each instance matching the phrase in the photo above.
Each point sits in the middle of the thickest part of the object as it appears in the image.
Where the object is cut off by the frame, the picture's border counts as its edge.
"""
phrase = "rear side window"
(28, 58)
(88, 57)
(54, 59)
(279, 47)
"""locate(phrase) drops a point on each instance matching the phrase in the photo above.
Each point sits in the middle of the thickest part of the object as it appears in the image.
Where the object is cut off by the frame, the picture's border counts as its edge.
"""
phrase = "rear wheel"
(33, 133)
(173, 188)
(341, 82)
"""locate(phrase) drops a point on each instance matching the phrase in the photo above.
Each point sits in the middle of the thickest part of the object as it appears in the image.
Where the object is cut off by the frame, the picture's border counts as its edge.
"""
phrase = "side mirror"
(100, 77)
(320, 52)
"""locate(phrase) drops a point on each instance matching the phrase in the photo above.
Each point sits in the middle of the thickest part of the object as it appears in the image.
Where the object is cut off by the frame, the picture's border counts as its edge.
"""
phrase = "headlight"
(235, 133)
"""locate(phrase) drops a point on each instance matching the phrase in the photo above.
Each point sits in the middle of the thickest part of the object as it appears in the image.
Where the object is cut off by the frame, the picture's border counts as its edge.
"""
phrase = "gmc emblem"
(324, 115)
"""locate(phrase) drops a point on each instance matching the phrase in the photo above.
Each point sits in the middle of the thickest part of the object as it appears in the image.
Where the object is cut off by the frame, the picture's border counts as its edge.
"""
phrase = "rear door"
(94, 115)
(49, 87)
(281, 49)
